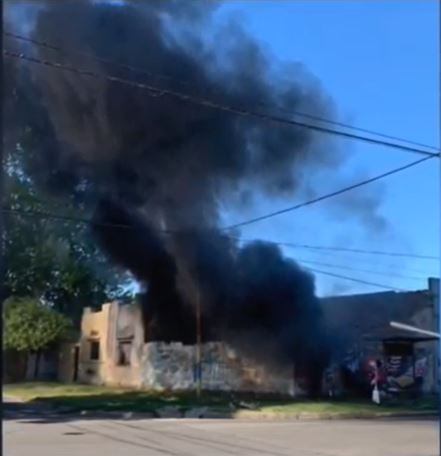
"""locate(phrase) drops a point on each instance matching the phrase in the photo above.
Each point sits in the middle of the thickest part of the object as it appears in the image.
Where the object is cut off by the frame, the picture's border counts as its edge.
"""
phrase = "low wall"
(172, 366)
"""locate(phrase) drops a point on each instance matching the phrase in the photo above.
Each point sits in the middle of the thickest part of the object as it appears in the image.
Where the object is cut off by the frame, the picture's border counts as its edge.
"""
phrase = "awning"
(397, 336)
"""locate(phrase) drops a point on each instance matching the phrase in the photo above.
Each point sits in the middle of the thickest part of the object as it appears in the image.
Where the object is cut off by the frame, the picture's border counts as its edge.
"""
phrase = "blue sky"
(379, 62)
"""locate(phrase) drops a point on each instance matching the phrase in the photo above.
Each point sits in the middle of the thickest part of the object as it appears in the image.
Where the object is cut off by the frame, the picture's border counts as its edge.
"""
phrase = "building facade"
(361, 324)
(112, 350)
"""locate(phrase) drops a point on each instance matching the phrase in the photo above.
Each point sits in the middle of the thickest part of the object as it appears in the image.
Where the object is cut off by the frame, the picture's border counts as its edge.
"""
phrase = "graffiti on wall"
(396, 372)
(405, 372)
(214, 372)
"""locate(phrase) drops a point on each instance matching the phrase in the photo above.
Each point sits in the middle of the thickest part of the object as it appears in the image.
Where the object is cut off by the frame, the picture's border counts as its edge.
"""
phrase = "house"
(112, 349)
(362, 323)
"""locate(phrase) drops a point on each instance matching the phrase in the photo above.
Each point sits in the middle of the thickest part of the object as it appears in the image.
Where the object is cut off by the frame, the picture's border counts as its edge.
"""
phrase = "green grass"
(88, 397)
(34, 390)
(352, 408)
(98, 398)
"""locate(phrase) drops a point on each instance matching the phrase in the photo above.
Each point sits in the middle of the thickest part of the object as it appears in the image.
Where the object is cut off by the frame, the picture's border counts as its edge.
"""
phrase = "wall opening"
(124, 351)
(94, 353)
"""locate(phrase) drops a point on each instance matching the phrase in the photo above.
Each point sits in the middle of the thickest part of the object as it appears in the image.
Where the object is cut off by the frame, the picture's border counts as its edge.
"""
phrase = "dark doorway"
(76, 362)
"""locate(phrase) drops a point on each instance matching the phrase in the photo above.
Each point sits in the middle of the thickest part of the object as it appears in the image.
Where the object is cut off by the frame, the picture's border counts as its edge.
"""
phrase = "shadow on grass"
(135, 405)
(125, 405)
(42, 412)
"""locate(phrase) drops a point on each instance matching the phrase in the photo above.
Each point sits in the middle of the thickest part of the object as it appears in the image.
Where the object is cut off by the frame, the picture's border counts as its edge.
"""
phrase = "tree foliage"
(52, 259)
(30, 326)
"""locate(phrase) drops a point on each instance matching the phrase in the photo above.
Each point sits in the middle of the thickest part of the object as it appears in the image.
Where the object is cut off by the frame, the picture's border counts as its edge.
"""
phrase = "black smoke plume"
(164, 167)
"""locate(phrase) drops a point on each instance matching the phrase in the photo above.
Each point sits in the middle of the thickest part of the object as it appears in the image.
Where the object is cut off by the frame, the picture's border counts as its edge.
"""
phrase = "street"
(31, 433)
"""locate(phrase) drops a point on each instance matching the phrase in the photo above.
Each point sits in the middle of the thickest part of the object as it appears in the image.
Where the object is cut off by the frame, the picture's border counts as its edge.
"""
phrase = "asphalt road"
(30, 433)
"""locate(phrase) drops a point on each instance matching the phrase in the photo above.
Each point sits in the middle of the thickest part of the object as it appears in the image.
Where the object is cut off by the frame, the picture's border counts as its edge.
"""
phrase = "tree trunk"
(37, 364)
(23, 360)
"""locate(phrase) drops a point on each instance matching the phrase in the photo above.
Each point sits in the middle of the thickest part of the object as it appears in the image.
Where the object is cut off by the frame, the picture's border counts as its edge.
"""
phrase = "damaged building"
(153, 163)
(112, 350)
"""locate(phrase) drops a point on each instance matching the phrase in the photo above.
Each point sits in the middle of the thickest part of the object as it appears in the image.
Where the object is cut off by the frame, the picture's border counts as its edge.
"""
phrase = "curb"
(12, 399)
(207, 413)
(241, 415)
(328, 416)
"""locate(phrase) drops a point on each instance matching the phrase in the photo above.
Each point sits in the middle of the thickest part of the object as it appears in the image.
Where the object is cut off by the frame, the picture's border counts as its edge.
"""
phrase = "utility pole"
(439, 195)
(2, 241)
(2, 266)
(198, 344)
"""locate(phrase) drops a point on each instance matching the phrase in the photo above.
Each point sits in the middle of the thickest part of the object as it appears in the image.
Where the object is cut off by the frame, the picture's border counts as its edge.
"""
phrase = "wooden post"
(294, 392)
(198, 345)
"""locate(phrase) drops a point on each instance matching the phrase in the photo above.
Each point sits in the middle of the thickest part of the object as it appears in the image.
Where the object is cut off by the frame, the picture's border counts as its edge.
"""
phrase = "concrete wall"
(125, 325)
(94, 327)
(172, 366)
(361, 322)
(164, 366)
(108, 326)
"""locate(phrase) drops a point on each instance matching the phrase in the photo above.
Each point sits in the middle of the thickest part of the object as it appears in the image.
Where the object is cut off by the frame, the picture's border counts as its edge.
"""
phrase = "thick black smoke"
(164, 166)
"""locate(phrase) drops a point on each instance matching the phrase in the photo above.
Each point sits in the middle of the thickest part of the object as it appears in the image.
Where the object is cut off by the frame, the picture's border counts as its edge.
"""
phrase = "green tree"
(31, 327)
(54, 260)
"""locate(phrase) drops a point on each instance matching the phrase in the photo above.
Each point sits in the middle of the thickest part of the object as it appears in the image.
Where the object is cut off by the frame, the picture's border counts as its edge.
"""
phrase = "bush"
(30, 326)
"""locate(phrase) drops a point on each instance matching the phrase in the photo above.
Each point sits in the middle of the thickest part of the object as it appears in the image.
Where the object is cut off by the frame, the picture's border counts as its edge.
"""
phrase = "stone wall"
(172, 366)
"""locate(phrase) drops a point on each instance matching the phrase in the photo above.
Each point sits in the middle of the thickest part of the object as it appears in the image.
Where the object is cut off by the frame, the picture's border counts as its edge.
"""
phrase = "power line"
(158, 91)
(366, 271)
(67, 218)
(51, 215)
(48, 215)
(353, 279)
(187, 83)
(373, 263)
(385, 267)
(327, 195)
(331, 255)
(368, 252)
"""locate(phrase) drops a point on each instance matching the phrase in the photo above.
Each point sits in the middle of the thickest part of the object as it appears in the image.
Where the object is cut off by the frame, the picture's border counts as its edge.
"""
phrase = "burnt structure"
(155, 171)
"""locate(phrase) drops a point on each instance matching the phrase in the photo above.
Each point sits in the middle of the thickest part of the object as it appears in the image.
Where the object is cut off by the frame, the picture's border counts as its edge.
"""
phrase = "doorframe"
(76, 361)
